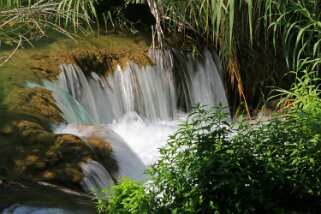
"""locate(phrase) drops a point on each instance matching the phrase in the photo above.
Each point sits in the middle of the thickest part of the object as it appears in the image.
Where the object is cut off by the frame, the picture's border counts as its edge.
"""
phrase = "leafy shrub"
(304, 93)
(212, 166)
(127, 197)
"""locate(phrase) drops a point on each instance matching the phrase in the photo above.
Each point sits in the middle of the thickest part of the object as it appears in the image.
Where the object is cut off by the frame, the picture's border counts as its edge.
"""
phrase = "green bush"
(212, 166)
(127, 197)
(304, 93)
(268, 167)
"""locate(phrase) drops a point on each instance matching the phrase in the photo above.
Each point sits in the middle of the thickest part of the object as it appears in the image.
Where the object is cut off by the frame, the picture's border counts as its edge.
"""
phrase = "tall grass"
(221, 23)
(31, 19)
(78, 11)
(29, 22)
(24, 21)
(298, 24)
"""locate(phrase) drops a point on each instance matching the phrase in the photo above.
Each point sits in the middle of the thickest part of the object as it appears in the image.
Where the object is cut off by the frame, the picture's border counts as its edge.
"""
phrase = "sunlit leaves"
(127, 197)
(207, 165)
(304, 93)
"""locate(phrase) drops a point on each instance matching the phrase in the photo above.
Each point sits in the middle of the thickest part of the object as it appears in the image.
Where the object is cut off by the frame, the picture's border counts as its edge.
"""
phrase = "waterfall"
(137, 107)
(199, 81)
(148, 91)
(95, 176)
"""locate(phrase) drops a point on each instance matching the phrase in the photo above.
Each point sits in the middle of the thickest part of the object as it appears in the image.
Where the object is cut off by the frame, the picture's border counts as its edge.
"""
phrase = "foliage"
(74, 11)
(30, 20)
(212, 166)
(20, 21)
(115, 17)
(222, 23)
(298, 24)
(231, 26)
(77, 11)
(25, 21)
(295, 22)
(240, 29)
(127, 197)
(304, 93)
(271, 167)
(180, 177)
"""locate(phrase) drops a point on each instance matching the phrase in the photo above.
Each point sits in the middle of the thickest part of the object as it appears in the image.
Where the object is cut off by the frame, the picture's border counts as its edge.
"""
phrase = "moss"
(37, 102)
(104, 151)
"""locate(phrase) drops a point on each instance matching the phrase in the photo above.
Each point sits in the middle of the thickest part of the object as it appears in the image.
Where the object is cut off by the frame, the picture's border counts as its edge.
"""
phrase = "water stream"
(135, 108)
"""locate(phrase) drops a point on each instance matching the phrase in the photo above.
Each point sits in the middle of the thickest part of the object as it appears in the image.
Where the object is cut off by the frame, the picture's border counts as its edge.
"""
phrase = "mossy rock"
(30, 151)
(104, 151)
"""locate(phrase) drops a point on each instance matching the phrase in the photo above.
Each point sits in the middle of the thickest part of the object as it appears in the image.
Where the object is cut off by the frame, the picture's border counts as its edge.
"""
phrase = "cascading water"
(148, 91)
(138, 104)
(199, 81)
(129, 164)
(96, 176)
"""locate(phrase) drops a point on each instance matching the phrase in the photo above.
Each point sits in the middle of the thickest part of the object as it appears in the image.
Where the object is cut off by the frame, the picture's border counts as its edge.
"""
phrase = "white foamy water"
(145, 137)
(147, 90)
(96, 176)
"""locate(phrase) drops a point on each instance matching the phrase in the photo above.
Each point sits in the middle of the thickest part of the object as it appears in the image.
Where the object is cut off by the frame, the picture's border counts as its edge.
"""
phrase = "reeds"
(298, 24)
(292, 26)
(214, 21)
(31, 19)
(78, 13)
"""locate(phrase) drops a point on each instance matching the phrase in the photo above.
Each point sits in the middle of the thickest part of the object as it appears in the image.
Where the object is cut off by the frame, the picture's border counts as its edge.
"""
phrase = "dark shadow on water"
(38, 196)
